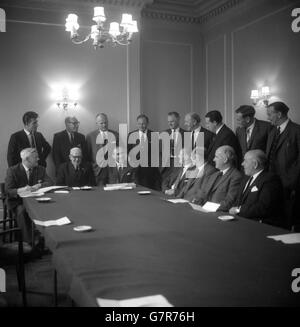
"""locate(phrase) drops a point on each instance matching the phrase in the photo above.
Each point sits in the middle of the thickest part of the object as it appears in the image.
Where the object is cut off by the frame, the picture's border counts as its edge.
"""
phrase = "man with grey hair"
(192, 122)
(222, 186)
(75, 173)
(23, 177)
(261, 193)
(67, 139)
(100, 143)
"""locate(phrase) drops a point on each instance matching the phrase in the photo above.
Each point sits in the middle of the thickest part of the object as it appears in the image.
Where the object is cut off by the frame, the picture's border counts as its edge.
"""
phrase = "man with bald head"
(261, 193)
(97, 140)
(25, 177)
(65, 140)
(222, 186)
(75, 173)
(192, 123)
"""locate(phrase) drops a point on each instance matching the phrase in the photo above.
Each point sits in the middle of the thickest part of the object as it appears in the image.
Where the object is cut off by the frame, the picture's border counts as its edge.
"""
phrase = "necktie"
(30, 177)
(172, 143)
(273, 148)
(193, 140)
(248, 137)
(248, 185)
(72, 139)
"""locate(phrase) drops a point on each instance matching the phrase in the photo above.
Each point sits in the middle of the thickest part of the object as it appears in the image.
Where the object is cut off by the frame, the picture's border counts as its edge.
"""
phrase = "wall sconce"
(261, 97)
(66, 99)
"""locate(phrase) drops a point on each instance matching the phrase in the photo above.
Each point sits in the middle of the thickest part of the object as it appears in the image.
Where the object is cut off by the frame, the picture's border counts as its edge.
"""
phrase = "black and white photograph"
(150, 156)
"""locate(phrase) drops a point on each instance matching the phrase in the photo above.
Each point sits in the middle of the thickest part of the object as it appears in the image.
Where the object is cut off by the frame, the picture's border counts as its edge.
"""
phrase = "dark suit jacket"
(126, 175)
(224, 137)
(222, 190)
(67, 175)
(263, 199)
(19, 141)
(16, 178)
(259, 137)
(287, 156)
(62, 146)
(181, 181)
(208, 138)
(169, 177)
(190, 190)
(93, 148)
(147, 176)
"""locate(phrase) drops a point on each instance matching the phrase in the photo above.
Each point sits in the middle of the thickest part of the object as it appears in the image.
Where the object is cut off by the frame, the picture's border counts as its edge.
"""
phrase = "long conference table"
(142, 245)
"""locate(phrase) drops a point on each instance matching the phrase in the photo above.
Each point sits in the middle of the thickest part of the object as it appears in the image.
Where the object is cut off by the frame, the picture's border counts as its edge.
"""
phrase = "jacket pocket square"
(254, 189)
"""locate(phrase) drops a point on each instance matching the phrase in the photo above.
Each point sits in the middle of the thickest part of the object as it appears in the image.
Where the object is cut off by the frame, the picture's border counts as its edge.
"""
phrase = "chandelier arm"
(75, 39)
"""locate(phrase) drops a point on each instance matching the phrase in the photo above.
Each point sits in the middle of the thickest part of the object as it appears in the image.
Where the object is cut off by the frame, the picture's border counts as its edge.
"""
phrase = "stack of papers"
(147, 301)
(122, 186)
(58, 222)
(287, 238)
(177, 201)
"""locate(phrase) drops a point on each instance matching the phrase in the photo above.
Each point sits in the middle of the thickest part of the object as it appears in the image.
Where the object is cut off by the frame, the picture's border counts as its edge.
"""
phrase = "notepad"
(177, 201)
(58, 222)
(211, 206)
(146, 301)
(287, 238)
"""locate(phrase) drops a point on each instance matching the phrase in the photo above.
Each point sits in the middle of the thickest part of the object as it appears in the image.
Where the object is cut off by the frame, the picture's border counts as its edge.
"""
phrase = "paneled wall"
(170, 71)
(36, 54)
(257, 47)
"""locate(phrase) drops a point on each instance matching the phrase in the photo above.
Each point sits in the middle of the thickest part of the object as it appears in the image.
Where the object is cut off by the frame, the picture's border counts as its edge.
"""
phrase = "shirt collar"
(283, 126)
(225, 171)
(27, 133)
(197, 130)
(26, 168)
(250, 128)
(218, 130)
(256, 175)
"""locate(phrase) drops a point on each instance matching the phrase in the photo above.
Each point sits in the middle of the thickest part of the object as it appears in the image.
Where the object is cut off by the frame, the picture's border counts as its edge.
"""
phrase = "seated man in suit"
(223, 135)
(28, 137)
(99, 144)
(65, 140)
(261, 193)
(252, 133)
(222, 186)
(25, 177)
(122, 172)
(75, 173)
(203, 171)
(176, 181)
(192, 121)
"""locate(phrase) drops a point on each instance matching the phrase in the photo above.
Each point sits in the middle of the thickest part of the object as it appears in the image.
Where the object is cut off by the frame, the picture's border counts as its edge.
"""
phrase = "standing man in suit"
(26, 176)
(251, 133)
(221, 187)
(147, 175)
(283, 152)
(65, 140)
(100, 145)
(26, 138)
(223, 135)
(122, 172)
(192, 122)
(176, 135)
(76, 172)
(260, 194)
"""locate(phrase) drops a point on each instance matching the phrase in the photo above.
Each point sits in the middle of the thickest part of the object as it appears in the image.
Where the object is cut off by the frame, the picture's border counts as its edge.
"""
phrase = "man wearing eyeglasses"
(75, 173)
(65, 140)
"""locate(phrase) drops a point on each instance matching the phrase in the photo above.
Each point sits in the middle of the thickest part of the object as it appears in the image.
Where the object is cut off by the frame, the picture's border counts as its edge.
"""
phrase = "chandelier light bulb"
(114, 29)
(99, 15)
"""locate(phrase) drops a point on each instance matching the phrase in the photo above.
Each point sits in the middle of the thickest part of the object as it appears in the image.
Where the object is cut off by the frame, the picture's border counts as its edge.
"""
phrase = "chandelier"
(116, 34)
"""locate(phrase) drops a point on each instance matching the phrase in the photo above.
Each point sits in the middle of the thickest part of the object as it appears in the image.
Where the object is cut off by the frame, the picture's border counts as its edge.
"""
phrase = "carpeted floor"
(39, 284)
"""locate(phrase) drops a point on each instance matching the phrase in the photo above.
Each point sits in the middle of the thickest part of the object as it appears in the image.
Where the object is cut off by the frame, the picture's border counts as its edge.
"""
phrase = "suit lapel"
(222, 180)
(283, 136)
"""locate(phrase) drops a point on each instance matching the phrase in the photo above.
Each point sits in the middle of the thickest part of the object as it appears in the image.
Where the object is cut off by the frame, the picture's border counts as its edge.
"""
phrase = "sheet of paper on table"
(28, 194)
(177, 201)
(211, 206)
(50, 188)
(58, 222)
(287, 238)
(147, 301)
(122, 186)
(198, 208)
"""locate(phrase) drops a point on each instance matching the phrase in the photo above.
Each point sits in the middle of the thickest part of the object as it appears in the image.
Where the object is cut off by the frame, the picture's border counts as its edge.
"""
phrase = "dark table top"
(142, 245)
